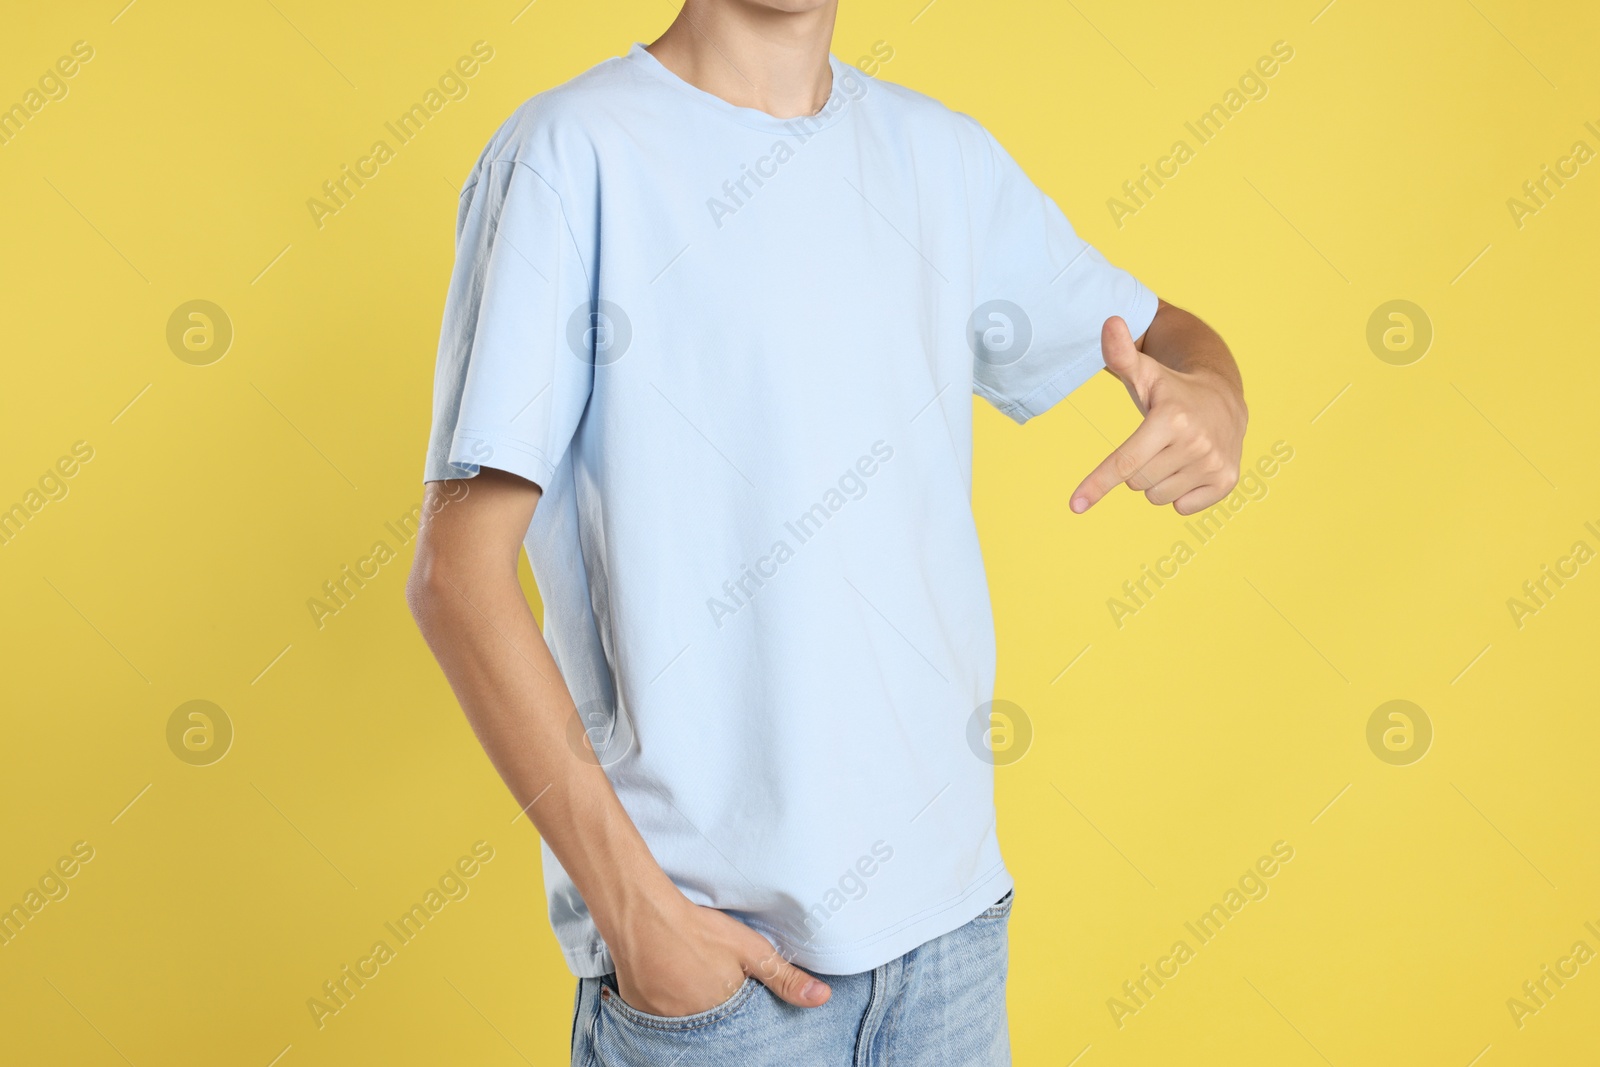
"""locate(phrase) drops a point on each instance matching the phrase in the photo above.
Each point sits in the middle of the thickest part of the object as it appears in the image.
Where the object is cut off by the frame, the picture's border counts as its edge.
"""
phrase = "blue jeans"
(943, 1004)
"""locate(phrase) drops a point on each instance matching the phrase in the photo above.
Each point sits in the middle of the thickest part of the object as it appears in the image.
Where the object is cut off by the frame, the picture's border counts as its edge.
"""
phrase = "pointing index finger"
(1123, 463)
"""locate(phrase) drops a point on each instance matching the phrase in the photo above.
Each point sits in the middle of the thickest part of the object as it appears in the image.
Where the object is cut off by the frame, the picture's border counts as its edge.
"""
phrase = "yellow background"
(1224, 716)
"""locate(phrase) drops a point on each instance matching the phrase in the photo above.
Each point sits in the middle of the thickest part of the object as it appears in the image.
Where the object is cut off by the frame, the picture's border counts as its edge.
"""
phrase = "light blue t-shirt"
(736, 352)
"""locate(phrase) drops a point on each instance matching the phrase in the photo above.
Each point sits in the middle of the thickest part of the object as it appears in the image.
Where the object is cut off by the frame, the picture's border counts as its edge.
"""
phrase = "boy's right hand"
(688, 959)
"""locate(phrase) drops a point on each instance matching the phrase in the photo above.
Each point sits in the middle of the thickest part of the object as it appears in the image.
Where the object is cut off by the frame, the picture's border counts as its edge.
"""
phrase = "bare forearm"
(481, 630)
(672, 957)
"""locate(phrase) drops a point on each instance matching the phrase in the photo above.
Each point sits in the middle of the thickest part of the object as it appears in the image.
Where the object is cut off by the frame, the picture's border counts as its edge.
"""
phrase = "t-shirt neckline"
(831, 111)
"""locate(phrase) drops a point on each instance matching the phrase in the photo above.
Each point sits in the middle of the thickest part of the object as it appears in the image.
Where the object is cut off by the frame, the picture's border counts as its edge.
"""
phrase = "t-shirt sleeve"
(1042, 295)
(512, 379)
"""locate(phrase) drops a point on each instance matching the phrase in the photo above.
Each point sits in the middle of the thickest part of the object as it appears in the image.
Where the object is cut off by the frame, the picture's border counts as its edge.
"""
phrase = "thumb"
(1124, 360)
(789, 982)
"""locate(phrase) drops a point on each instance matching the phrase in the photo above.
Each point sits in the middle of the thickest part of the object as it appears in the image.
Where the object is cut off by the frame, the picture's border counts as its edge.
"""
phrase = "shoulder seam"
(561, 205)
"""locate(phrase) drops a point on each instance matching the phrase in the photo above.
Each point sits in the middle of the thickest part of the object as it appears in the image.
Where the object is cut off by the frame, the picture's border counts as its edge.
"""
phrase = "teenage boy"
(717, 310)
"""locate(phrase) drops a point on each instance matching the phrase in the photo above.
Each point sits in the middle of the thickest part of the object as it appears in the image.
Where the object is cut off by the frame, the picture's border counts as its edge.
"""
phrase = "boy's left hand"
(1186, 452)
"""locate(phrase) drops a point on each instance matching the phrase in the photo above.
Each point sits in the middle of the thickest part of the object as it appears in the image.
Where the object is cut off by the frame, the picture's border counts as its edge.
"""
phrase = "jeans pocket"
(611, 1001)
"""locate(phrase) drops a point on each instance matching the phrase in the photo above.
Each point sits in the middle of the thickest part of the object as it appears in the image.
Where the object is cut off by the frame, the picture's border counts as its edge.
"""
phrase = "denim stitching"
(689, 1022)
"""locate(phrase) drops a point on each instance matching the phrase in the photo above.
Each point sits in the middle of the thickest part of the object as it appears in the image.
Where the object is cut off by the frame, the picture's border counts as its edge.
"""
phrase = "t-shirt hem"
(863, 955)
(874, 951)
(1006, 406)
(592, 962)
(501, 453)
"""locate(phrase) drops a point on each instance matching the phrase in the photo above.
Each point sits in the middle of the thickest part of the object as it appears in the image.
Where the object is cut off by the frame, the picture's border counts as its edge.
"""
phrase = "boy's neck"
(753, 55)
